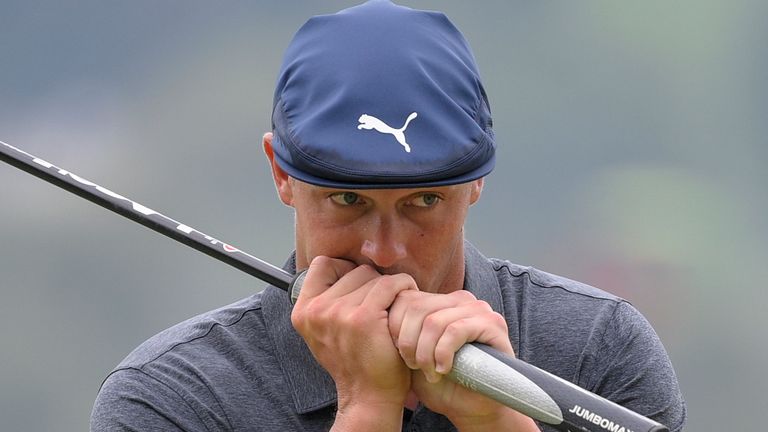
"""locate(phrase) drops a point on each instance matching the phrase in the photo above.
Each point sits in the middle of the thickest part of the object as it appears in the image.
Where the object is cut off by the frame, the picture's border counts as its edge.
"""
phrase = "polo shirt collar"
(310, 385)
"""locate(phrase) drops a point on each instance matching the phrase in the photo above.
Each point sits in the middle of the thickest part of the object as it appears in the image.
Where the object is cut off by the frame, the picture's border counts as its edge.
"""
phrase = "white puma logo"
(370, 122)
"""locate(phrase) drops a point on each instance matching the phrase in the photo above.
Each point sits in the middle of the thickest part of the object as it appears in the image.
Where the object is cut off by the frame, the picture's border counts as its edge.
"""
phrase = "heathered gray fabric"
(244, 368)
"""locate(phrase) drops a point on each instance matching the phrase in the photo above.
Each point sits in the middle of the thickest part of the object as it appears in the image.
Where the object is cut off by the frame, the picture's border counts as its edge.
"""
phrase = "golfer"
(381, 141)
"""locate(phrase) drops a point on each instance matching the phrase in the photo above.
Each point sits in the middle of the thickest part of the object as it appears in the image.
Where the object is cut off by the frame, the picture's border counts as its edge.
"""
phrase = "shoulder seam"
(171, 348)
(206, 333)
(141, 366)
(601, 342)
(499, 266)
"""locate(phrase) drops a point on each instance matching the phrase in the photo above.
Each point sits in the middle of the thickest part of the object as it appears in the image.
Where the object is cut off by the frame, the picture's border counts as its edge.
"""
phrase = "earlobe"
(477, 190)
(282, 181)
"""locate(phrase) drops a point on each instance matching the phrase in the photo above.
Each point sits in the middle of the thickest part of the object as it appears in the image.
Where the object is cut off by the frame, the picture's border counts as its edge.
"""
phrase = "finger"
(333, 278)
(385, 290)
(353, 286)
(489, 328)
(433, 327)
(322, 273)
(414, 313)
(397, 311)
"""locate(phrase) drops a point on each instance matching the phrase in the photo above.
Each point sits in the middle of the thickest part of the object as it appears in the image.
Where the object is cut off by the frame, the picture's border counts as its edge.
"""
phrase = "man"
(382, 138)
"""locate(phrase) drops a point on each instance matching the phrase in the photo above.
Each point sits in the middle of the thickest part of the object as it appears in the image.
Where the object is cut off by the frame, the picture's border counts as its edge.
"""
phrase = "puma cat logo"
(370, 122)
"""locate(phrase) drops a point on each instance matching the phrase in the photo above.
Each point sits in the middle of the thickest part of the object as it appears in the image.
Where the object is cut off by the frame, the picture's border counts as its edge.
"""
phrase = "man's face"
(413, 231)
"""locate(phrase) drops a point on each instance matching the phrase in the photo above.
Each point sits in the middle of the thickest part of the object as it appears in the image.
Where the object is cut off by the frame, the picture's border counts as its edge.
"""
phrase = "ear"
(477, 190)
(282, 180)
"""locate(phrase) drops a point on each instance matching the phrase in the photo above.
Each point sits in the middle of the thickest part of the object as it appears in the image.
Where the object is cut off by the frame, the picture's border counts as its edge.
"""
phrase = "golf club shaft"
(512, 382)
(145, 216)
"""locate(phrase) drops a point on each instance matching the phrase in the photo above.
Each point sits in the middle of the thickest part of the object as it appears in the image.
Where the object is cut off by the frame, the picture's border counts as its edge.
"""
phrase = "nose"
(384, 243)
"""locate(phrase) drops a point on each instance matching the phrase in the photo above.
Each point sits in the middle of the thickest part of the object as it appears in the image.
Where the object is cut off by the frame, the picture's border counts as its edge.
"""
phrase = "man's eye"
(425, 200)
(346, 198)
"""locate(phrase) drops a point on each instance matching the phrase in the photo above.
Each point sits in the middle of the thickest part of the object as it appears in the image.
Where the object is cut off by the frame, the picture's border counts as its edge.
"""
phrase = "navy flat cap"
(381, 96)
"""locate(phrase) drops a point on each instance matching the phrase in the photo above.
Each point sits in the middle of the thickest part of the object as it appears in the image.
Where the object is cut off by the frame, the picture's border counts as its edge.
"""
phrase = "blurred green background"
(632, 156)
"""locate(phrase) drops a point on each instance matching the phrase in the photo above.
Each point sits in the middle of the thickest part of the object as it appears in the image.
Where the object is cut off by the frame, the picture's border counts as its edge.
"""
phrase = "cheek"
(319, 234)
(448, 232)
(434, 256)
(436, 240)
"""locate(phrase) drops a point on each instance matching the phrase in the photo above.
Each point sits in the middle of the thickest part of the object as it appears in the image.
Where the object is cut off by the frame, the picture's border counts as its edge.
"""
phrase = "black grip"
(581, 409)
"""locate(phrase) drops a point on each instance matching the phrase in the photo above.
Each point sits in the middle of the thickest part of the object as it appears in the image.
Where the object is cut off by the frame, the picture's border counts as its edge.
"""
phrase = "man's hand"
(342, 315)
(428, 329)
(379, 338)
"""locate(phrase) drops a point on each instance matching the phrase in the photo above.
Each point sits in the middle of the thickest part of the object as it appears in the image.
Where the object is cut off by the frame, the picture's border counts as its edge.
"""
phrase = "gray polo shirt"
(244, 368)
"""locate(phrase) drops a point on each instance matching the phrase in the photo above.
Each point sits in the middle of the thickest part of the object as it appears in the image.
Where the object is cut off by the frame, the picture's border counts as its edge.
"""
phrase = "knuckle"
(431, 323)
(313, 309)
(498, 320)
(297, 319)
(322, 260)
(301, 321)
(325, 265)
(405, 280)
(476, 307)
(385, 282)
(367, 270)
(482, 306)
(455, 328)
(357, 318)
(400, 280)
(464, 295)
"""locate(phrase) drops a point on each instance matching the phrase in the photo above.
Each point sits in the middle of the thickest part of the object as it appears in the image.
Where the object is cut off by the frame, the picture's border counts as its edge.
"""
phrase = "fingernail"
(410, 365)
(432, 377)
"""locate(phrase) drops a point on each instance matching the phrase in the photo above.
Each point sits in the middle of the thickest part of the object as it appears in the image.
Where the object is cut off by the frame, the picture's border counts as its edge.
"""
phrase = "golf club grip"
(541, 395)
(534, 392)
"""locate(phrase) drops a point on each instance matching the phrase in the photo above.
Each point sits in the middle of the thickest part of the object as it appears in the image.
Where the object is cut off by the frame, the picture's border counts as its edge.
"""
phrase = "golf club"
(510, 381)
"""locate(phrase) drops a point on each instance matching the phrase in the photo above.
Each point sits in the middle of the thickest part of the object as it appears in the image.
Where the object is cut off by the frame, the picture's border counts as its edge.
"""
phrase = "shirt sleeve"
(632, 368)
(131, 400)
